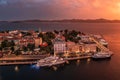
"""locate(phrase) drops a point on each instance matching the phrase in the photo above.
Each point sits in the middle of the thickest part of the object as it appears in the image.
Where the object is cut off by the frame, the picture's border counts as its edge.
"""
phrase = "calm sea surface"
(93, 70)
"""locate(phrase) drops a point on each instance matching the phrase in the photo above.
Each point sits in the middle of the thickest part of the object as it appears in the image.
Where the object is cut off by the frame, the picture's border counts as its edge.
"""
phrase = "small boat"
(50, 61)
(102, 55)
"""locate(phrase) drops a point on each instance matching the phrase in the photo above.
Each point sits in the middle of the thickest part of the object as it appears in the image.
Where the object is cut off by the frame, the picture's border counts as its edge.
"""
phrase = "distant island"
(101, 20)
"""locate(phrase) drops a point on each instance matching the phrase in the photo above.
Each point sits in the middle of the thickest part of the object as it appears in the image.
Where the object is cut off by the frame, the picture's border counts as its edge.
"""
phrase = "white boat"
(102, 55)
(50, 61)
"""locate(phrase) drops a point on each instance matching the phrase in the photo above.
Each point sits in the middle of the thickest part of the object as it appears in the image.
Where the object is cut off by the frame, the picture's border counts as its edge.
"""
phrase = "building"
(85, 38)
(59, 46)
(38, 41)
(90, 47)
(25, 42)
(1, 39)
(75, 48)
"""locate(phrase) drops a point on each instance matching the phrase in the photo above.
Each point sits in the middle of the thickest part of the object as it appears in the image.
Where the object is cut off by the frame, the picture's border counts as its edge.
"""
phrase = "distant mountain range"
(74, 20)
(68, 20)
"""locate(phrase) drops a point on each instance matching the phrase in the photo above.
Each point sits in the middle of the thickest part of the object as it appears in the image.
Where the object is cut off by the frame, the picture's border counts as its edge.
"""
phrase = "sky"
(59, 9)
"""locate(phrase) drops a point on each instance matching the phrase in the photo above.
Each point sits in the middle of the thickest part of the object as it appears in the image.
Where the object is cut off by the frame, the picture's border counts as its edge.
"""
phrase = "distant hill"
(47, 24)
(73, 20)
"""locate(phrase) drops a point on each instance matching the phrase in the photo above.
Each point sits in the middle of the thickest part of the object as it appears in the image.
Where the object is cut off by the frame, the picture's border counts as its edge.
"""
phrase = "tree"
(17, 52)
(50, 35)
(37, 31)
(12, 43)
(40, 35)
(24, 48)
(56, 32)
(47, 49)
(28, 34)
(49, 42)
(61, 31)
(7, 31)
(4, 43)
(66, 31)
(12, 49)
(0, 48)
(73, 33)
(31, 47)
(7, 43)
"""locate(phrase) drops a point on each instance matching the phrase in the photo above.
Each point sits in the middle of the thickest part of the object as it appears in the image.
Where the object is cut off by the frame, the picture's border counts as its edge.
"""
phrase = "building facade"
(59, 46)
(38, 41)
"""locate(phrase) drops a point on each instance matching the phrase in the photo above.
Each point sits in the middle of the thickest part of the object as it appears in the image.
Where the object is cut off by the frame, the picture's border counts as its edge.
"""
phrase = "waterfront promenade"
(21, 59)
(77, 58)
(19, 63)
(31, 59)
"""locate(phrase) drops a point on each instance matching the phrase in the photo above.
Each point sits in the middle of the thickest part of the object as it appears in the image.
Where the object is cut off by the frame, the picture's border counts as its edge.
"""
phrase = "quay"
(76, 58)
(32, 60)
(17, 63)
(21, 59)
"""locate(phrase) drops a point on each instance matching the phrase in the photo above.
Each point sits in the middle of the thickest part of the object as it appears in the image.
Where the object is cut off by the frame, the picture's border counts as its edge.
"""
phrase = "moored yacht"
(50, 61)
(102, 55)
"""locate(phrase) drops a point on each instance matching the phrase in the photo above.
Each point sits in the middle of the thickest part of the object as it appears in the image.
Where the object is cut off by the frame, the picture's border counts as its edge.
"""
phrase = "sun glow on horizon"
(59, 9)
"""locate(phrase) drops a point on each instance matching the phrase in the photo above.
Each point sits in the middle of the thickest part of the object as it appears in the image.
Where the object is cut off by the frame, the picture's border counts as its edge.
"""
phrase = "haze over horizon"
(59, 9)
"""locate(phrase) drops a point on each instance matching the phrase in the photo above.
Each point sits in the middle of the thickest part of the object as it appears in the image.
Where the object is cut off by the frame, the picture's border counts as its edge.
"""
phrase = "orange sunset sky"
(59, 9)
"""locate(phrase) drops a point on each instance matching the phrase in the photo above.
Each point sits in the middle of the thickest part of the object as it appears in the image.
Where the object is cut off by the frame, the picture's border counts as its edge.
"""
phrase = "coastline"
(22, 59)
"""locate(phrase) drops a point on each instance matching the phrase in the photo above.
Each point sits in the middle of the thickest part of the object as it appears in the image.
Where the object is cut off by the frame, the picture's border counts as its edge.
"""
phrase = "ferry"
(102, 55)
(50, 61)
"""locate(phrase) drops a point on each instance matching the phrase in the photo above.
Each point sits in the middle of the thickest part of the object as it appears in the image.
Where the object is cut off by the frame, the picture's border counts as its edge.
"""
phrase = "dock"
(76, 58)
(32, 59)
(21, 59)
(17, 63)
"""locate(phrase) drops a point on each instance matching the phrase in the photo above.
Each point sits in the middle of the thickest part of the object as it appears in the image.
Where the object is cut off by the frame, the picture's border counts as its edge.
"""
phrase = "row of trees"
(47, 37)
(29, 47)
(69, 35)
(7, 45)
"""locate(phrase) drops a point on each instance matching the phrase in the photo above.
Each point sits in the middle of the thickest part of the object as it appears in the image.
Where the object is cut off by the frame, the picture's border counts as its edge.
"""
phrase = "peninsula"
(26, 47)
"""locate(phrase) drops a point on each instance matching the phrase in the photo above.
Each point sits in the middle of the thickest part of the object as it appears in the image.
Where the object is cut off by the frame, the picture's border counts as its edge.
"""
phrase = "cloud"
(3, 2)
(57, 9)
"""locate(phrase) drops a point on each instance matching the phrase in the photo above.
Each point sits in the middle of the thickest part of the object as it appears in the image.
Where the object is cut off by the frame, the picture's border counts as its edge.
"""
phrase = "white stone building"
(59, 46)
(38, 41)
